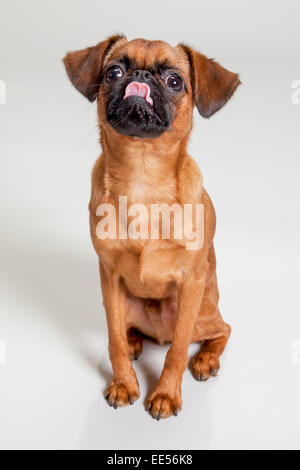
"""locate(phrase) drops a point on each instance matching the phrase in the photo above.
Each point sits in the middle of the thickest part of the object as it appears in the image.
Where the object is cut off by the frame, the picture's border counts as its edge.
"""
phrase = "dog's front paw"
(163, 405)
(119, 394)
(205, 365)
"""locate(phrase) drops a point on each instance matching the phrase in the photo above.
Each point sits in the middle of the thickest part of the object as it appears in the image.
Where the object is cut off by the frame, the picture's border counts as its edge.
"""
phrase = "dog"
(153, 287)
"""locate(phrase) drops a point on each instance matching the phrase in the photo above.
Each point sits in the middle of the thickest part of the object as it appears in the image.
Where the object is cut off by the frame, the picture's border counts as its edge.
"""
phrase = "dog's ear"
(84, 67)
(212, 84)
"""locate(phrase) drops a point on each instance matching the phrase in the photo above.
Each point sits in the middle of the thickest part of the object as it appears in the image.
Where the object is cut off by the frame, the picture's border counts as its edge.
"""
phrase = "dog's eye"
(174, 82)
(114, 73)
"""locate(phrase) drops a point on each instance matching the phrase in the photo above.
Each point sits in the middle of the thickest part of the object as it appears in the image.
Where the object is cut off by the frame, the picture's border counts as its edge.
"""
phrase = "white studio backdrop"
(53, 341)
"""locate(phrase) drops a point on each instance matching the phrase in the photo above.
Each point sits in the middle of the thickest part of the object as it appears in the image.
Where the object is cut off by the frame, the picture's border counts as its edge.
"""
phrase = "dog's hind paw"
(135, 343)
(205, 365)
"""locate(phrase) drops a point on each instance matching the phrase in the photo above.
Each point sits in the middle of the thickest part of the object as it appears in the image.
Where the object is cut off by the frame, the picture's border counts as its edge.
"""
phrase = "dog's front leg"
(124, 388)
(165, 400)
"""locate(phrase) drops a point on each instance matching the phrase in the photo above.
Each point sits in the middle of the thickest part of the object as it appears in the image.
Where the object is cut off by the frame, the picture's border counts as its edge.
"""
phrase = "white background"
(51, 317)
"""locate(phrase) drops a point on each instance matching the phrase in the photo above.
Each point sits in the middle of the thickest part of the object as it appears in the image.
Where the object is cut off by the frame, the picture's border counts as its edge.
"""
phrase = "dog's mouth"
(139, 89)
(137, 109)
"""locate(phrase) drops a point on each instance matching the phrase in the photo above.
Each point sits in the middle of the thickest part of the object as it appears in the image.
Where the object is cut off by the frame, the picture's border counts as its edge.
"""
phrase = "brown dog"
(146, 92)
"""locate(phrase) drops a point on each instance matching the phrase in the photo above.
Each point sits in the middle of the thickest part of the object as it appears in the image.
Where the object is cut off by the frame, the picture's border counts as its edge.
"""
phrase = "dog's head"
(148, 88)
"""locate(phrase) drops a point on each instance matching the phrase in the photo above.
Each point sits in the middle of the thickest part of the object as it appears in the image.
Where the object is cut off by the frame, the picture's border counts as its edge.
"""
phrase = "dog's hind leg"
(205, 363)
(135, 343)
(210, 329)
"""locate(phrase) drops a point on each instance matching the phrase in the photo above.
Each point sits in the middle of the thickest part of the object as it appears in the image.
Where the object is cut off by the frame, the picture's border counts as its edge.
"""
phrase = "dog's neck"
(144, 170)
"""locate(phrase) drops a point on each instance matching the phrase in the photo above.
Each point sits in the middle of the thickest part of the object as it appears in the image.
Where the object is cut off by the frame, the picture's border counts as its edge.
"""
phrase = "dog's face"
(141, 88)
(147, 88)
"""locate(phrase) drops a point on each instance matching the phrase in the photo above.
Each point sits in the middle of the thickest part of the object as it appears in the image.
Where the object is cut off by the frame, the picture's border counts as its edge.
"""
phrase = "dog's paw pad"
(162, 406)
(205, 365)
(118, 394)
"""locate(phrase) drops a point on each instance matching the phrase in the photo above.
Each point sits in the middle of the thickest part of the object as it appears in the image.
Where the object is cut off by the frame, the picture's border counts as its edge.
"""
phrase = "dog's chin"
(135, 117)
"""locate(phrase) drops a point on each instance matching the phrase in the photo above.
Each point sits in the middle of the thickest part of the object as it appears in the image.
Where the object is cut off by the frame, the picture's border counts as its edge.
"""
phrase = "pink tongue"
(139, 89)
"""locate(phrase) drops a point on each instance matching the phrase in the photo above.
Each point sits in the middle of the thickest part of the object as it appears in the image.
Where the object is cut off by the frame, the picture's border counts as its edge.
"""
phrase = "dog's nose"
(142, 75)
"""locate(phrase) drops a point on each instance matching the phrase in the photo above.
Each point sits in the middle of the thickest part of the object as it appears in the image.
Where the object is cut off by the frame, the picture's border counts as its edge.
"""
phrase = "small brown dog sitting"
(153, 286)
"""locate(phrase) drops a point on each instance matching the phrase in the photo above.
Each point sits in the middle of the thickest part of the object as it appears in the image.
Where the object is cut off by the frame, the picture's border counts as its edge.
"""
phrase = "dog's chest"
(150, 270)
(145, 186)
(145, 259)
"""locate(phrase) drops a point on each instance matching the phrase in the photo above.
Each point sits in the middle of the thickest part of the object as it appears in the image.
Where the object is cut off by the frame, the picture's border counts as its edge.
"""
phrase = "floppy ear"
(212, 84)
(84, 67)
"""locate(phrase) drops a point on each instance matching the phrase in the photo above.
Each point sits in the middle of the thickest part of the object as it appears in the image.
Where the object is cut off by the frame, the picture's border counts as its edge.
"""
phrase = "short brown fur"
(143, 279)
